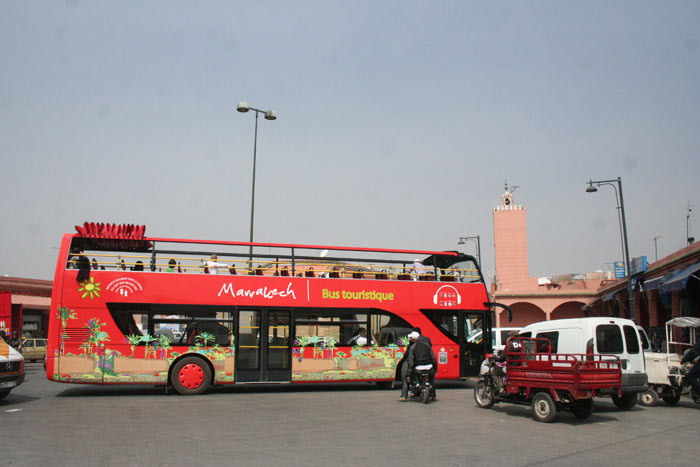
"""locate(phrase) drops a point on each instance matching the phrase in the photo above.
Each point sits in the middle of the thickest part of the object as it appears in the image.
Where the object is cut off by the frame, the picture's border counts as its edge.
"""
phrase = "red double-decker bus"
(127, 308)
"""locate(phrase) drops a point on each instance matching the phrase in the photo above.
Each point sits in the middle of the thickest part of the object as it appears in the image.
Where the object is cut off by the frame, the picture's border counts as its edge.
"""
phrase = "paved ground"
(45, 423)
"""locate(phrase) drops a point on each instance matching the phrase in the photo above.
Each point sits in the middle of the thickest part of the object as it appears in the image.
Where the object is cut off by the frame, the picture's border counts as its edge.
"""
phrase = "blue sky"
(398, 123)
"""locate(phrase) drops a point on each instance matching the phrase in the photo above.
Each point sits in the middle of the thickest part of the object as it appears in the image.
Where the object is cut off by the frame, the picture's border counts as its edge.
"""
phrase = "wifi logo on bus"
(124, 286)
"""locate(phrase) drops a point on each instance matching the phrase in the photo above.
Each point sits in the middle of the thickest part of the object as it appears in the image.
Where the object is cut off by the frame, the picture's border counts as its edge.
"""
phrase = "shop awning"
(651, 284)
(678, 279)
(608, 297)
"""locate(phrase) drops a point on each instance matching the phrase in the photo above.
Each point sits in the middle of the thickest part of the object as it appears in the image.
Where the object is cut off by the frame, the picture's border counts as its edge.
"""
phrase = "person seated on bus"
(361, 338)
(285, 271)
(420, 356)
(214, 266)
(171, 266)
(138, 266)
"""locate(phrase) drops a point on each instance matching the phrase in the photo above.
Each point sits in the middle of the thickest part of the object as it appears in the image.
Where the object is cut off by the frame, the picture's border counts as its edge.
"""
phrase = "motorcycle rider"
(693, 376)
(420, 355)
(499, 359)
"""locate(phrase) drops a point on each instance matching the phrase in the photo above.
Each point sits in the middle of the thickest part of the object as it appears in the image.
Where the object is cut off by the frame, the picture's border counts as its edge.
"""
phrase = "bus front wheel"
(190, 376)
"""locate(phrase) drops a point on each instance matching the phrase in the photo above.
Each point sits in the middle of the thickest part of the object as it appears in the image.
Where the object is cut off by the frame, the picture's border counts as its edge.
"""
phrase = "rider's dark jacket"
(421, 353)
(692, 353)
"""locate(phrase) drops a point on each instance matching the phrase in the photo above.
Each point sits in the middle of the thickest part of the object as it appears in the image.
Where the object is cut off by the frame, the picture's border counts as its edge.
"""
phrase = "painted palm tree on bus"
(96, 335)
(204, 339)
(146, 339)
(164, 342)
(133, 340)
(64, 314)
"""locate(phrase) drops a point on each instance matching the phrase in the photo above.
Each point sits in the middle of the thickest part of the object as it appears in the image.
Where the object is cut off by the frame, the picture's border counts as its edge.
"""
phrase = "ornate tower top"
(508, 199)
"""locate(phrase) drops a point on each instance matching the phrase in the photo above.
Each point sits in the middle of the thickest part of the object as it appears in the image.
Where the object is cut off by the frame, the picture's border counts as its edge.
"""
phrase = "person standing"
(213, 265)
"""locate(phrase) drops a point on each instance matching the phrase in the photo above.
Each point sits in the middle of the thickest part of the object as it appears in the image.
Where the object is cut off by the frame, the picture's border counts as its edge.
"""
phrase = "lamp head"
(270, 115)
(591, 188)
(243, 107)
(460, 242)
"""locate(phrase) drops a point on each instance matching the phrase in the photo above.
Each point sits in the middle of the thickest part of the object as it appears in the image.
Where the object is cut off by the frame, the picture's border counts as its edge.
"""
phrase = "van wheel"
(625, 402)
(583, 408)
(4, 393)
(672, 397)
(543, 407)
(649, 398)
(190, 376)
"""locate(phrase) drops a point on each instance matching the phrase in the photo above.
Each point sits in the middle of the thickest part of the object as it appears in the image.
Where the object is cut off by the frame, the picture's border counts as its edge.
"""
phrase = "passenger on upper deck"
(214, 266)
(171, 266)
(418, 269)
(79, 261)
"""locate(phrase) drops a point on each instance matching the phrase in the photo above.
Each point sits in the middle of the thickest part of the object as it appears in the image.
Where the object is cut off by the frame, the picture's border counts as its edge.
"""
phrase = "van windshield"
(609, 338)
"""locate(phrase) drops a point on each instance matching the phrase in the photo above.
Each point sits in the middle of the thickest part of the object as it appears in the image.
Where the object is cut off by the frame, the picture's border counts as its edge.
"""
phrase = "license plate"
(9, 384)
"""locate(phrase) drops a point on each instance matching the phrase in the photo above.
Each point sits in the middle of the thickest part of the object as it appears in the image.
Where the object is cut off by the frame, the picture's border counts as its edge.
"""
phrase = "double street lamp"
(592, 184)
(269, 115)
(477, 240)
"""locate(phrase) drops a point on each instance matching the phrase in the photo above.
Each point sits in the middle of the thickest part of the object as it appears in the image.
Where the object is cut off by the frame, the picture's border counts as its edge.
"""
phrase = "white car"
(11, 369)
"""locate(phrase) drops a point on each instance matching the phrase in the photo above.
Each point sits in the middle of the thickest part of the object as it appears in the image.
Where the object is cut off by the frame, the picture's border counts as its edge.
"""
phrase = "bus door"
(263, 351)
(472, 336)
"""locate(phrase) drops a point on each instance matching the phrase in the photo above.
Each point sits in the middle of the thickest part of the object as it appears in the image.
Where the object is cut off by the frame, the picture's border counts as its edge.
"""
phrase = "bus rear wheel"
(190, 376)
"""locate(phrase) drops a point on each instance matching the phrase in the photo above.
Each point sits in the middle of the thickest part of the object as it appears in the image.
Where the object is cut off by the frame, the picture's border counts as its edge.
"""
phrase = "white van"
(11, 368)
(611, 336)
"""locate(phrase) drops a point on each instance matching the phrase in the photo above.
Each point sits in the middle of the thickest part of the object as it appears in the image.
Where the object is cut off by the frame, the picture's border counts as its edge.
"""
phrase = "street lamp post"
(269, 115)
(621, 215)
(477, 240)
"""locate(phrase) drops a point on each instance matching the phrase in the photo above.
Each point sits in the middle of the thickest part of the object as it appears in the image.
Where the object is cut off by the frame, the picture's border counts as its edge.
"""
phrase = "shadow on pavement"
(563, 416)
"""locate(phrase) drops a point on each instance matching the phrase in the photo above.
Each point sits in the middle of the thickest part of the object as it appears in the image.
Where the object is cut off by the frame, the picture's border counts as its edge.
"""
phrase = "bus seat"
(447, 278)
(309, 273)
(358, 275)
(381, 276)
(284, 272)
(404, 277)
(232, 270)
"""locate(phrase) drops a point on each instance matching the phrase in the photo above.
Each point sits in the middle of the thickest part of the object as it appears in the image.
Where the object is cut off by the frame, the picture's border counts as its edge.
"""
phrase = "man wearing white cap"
(418, 353)
(418, 269)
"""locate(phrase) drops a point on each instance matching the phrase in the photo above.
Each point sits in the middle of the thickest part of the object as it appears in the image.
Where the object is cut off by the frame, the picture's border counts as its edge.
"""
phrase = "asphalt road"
(46, 423)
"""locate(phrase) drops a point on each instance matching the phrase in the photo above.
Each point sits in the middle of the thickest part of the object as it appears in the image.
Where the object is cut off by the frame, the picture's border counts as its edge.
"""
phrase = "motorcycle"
(420, 388)
(679, 386)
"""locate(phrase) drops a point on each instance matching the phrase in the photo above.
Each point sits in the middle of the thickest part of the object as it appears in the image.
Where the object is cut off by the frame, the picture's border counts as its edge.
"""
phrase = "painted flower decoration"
(90, 288)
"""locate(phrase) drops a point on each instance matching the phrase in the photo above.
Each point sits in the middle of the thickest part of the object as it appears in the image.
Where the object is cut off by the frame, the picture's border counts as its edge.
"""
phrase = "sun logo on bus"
(90, 288)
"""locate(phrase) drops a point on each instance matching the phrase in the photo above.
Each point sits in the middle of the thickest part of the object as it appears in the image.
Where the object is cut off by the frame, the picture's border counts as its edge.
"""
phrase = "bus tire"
(483, 395)
(582, 408)
(190, 376)
(4, 393)
(543, 407)
(649, 398)
(625, 402)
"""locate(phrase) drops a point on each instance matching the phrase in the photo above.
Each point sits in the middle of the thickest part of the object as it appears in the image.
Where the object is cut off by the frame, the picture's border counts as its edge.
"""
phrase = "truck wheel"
(483, 395)
(4, 393)
(649, 398)
(625, 402)
(190, 376)
(543, 407)
(582, 408)
(672, 397)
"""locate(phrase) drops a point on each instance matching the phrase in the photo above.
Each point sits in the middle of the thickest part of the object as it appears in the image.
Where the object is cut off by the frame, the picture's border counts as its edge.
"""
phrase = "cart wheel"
(625, 402)
(582, 408)
(543, 408)
(671, 397)
(649, 398)
(483, 395)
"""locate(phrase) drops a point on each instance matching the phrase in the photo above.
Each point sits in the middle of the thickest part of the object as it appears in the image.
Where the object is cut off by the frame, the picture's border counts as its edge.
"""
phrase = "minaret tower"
(510, 243)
